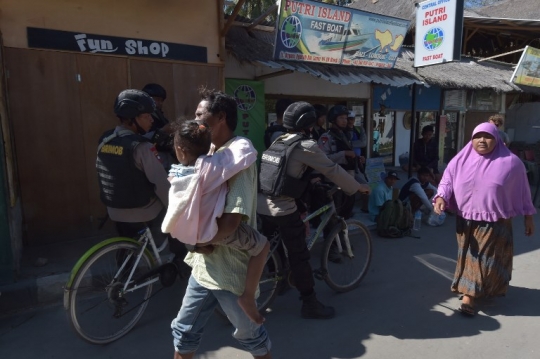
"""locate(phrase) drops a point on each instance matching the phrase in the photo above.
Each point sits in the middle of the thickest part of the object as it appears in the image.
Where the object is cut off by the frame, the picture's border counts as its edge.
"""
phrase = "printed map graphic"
(387, 41)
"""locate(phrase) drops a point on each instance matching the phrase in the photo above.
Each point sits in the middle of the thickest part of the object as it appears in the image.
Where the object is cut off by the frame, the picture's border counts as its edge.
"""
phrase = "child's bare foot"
(249, 306)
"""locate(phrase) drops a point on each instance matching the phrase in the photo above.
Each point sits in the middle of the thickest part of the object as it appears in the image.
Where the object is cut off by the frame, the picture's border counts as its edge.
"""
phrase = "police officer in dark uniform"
(335, 143)
(283, 212)
(132, 180)
(160, 134)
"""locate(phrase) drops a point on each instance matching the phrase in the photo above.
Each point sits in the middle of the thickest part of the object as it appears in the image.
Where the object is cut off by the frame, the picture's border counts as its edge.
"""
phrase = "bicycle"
(109, 287)
(345, 258)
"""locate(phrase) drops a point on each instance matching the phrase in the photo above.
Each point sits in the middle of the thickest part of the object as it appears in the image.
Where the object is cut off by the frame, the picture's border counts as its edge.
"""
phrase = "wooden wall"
(60, 103)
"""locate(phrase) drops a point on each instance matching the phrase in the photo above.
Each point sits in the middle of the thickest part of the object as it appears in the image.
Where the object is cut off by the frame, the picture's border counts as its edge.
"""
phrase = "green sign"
(249, 97)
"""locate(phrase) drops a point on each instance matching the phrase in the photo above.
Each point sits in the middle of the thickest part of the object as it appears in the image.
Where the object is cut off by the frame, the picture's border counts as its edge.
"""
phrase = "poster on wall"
(375, 171)
(249, 97)
(312, 31)
(527, 71)
(439, 28)
(383, 137)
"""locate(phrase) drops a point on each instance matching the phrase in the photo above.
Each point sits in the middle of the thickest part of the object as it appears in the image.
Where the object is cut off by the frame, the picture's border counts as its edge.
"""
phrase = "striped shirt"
(225, 268)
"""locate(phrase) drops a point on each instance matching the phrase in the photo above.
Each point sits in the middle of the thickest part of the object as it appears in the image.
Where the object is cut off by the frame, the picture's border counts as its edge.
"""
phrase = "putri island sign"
(439, 29)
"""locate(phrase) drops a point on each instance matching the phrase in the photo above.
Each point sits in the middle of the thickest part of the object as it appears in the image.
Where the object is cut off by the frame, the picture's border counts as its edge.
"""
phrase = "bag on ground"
(395, 220)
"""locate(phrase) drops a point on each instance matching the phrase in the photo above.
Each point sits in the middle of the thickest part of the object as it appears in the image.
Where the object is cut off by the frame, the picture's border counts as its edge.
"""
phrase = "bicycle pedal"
(319, 274)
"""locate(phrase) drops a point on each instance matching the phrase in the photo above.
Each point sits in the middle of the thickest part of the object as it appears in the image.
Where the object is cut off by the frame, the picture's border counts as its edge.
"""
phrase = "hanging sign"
(317, 32)
(439, 29)
(101, 44)
(527, 71)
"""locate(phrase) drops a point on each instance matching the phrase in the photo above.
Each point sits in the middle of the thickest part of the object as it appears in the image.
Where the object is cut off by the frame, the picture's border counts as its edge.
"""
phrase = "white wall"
(522, 118)
(402, 139)
(294, 84)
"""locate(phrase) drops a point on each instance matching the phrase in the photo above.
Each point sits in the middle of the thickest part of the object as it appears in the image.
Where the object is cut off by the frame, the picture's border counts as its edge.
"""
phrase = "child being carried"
(197, 199)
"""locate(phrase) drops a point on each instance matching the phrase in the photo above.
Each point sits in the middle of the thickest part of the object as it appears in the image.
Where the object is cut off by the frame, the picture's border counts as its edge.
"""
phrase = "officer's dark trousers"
(293, 233)
(344, 204)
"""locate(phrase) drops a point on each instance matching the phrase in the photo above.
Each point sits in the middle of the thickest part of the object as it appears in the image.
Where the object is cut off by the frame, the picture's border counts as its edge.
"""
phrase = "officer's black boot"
(313, 309)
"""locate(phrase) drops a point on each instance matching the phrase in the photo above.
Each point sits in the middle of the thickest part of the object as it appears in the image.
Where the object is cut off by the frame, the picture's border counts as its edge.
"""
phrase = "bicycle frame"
(326, 212)
(145, 239)
(330, 210)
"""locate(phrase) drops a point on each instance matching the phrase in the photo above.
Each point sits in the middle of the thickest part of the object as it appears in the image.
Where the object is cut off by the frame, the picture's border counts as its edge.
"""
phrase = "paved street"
(403, 309)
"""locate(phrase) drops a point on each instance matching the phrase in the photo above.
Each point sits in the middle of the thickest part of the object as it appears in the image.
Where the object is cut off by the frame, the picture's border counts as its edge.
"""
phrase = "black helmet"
(336, 111)
(155, 90)
(132, 103)
(299, 116)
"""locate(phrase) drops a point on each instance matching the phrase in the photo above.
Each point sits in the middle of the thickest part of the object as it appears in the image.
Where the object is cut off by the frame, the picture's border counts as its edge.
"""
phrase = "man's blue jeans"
(198, 306)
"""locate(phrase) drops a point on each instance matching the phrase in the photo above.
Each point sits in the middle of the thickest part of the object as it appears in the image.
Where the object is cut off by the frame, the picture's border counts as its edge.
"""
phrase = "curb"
(31, 293)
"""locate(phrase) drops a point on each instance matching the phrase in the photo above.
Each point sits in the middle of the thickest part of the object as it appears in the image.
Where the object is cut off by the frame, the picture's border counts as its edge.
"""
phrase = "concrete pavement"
(402, 309)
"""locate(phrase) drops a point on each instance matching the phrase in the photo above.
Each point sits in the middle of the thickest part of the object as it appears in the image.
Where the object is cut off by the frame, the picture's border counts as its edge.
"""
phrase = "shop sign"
(249, 96)
(312, 31)
(527, 71)
(101, 44)
(439, 29)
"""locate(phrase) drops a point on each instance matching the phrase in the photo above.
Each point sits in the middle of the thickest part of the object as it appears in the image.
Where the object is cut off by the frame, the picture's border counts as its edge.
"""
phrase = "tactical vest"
(121, 183)
(406, 189)
(273, 178)
(341, 143)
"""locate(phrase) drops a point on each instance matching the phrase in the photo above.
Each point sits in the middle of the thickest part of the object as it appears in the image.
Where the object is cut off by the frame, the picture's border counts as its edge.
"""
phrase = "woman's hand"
(440, 205)
(529, 226)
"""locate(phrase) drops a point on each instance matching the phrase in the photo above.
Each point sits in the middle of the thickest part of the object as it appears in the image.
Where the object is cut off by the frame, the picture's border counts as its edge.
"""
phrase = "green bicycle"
(109, 287)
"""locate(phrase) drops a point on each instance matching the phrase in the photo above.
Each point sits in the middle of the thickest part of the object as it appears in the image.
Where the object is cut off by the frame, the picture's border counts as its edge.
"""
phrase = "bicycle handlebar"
(330, 188)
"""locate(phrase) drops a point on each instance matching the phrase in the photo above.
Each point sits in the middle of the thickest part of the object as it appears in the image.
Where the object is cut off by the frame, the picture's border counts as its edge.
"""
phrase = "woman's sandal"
(467, 309)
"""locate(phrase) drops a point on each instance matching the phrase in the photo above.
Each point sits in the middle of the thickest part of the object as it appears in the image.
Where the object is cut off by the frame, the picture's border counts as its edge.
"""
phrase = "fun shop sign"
(439, 29)
(100, 44)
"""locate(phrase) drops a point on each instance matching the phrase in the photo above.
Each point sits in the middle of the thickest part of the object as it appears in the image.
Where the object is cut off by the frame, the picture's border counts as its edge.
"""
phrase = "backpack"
(395, 219)
(270, 131)
(273, 178)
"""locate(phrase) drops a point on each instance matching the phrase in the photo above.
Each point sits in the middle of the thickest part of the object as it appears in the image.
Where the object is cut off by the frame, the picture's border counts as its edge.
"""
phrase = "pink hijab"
(486, 187)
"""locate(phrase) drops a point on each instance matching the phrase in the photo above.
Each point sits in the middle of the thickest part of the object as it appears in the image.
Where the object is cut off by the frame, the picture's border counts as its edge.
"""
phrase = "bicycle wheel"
(99, 310)
(269, 285)
(340, 271)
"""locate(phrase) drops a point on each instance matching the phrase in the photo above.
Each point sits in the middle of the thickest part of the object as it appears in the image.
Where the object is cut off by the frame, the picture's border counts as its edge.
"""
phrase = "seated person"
(426, 153)
(381, 194)
(418, 192)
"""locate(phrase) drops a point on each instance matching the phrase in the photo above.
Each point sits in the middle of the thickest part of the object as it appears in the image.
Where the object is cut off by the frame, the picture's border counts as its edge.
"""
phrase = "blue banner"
(317, 32)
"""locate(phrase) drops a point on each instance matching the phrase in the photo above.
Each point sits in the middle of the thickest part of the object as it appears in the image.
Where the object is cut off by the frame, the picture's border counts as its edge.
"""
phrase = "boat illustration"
(350, 40)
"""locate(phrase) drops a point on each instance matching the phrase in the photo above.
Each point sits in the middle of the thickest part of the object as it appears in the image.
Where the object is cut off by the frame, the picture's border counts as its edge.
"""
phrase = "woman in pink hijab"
(486, 185)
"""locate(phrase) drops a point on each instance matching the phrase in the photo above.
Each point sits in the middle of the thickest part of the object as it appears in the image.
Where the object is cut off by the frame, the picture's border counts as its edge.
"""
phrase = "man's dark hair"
(424, 171)
(192, 136)
(281, 106)
(427, 128)
(219, 101)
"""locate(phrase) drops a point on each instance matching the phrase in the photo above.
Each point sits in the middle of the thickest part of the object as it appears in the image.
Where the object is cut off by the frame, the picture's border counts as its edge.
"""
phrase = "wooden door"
(187, 80)
(143, 72)
(102, 78)
(45, 113)
(473, 119)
